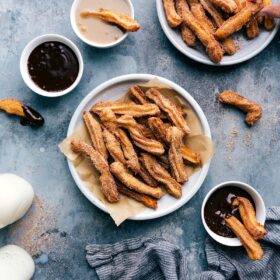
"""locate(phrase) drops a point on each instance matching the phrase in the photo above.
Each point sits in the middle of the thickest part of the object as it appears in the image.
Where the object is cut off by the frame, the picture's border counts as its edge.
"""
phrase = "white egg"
(16, 196)
(15, 264)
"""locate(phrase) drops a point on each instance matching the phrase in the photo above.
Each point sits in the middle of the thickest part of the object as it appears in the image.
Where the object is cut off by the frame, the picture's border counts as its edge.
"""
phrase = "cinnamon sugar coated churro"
(253, 109)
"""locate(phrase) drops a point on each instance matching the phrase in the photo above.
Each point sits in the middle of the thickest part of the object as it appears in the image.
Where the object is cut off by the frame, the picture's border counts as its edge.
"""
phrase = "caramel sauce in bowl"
(94, 31)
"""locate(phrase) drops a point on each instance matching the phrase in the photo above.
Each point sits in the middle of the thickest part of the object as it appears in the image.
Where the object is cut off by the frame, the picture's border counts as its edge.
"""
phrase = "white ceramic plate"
(113, 90)
(247, 48)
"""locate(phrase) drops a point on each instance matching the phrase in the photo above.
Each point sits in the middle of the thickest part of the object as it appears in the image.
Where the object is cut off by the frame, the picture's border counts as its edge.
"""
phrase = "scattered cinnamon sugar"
(248, 139)
(36, 232)
(230, 143)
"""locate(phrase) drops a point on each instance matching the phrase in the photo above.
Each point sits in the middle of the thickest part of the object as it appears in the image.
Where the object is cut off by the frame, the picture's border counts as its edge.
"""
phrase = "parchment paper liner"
(127, 207)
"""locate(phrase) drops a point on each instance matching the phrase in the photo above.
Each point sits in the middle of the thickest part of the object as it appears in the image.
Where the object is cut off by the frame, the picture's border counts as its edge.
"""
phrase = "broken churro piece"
(170, 108)
(108, 185)
(237, 21)
(127, 108)
(212, 46)
(113, 146)
(179, 171)
(161, 175)
(132, 182)
(172, 17)
(190, 156)
(252, 28)
(158, 128)
(229, 6)
(125, 22)
(140, 140)
(142, 198)
(253, 109)
(95, 133)
(12, 106)
(248, 216)
(252, 247)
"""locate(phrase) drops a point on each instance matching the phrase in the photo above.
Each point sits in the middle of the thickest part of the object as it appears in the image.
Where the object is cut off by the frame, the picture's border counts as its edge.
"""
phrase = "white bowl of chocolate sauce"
(94, 31)
(51, 65)
(217, 205)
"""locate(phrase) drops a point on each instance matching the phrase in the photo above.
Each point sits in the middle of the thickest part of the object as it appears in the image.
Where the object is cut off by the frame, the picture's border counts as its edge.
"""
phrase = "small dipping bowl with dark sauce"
(217, 205)
(51, 65)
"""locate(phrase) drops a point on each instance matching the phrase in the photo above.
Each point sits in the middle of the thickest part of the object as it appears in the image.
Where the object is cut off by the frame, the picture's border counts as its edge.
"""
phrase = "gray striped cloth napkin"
(157, 259)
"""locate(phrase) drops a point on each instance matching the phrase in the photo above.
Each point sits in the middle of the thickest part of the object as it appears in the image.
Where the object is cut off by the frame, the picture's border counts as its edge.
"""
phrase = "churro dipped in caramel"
(253, 109)
(125, 22)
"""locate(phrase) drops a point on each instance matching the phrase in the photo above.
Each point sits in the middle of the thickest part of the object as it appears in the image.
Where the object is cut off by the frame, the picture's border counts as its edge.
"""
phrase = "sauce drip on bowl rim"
(219, 206)
(53, 66)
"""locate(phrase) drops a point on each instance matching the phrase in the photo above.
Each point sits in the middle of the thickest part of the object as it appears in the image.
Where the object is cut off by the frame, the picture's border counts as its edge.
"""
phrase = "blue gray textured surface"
(69, 221)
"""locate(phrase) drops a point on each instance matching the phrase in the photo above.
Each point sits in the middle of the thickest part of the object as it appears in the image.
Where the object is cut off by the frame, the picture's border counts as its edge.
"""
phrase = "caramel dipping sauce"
(219, 206)
(96, 30)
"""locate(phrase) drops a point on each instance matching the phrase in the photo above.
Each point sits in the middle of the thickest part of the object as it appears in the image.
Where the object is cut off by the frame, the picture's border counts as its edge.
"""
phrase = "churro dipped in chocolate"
(253, 109)
(125, 22)
(142, 198)
(27, 114)
(172, 16)
(248, 216)
(252, 247)
(95, 134)
(108, 185)
(119, 170)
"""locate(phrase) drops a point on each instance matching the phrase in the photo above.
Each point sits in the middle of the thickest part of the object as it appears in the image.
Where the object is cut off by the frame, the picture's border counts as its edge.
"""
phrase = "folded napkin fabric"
(157, 259)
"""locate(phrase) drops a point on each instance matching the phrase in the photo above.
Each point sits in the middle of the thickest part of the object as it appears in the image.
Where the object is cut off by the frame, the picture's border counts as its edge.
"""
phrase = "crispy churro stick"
(213, 48)
(158, 128)
(125, 22)
(229, 6)
(142, 198)
(138, 94)
(240, 4)
(162, 175)
(228, 43)
(173, 19)
(252, 247)
(186, 33)
(252, 28)
(237, 21)
(12, 106)
(190, 156)
(253, 109)
(108, 185)
(145, 175)
(268, 21)
(118, 169)
(199, 13)
(95, 133)
(248, 216)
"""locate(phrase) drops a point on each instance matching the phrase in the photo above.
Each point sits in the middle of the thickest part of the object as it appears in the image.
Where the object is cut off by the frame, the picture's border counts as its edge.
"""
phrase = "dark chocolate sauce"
(53, 66)
(219, 206)
(32, 117)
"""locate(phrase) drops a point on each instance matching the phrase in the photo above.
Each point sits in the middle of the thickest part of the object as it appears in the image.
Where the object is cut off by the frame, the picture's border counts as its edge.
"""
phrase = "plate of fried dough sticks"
(138, 147)
(217, 32)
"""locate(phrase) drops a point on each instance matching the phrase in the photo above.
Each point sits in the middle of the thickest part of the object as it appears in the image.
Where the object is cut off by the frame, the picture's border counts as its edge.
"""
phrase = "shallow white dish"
(113, 90)
(246, 48)
(91, 43)
(24, 63)
(260, 211)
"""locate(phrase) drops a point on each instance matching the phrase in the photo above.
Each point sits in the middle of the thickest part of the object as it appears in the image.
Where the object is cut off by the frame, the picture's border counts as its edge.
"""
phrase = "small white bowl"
(91, 43)
(260, 211)
(24, 64)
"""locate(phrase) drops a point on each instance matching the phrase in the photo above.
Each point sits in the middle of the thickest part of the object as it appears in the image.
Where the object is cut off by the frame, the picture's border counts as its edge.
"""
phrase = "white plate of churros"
(142, 144)
(217, 32)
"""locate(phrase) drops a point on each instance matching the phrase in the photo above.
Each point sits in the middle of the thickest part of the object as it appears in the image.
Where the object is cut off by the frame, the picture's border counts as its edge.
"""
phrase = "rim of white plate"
(185, 50)
(185, 95)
